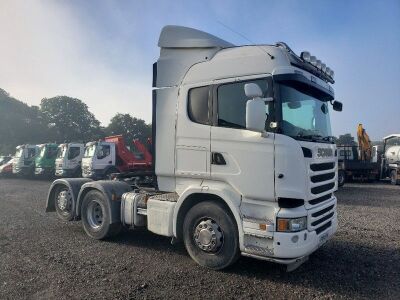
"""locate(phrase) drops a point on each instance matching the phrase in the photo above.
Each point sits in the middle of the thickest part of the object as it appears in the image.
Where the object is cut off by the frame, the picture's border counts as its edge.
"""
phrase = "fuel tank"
(392, 154)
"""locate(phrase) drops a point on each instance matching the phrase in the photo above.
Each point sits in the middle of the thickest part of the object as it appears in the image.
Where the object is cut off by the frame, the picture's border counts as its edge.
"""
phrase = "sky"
(102, 51)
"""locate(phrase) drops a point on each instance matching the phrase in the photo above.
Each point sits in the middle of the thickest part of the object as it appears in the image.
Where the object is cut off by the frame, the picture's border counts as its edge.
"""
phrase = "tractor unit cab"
(6, 165)
(111, 155)
(24, 160)
(390, 159)
(244, 162)
(45, 160)
(69, 160)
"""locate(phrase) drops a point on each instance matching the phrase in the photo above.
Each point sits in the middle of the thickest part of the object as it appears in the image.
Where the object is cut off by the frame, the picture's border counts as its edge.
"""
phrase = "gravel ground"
(42, 257)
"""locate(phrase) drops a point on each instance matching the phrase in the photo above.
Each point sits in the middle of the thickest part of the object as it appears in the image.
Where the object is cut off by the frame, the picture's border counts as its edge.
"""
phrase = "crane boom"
(364, 143)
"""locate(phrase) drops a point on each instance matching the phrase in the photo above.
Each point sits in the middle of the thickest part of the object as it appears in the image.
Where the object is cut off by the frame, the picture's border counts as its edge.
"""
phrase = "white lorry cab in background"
(99, 160)
(24, 160)
(69, 160)
(244, 163)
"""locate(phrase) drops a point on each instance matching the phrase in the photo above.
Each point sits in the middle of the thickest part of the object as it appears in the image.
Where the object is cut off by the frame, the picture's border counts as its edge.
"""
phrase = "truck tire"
(211, 236)
(341, 177)
(64, 203)
(393, 177)
(96, 218)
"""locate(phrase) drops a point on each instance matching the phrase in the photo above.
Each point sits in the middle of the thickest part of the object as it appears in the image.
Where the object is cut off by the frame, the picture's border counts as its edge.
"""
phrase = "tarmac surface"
(42, 257)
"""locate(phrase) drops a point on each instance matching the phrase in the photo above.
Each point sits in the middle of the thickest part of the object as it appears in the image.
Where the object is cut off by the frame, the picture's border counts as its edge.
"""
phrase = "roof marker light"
(328, 71)
(323, 67)
(318, 64)
(305, 55)
(313, 60)
(332, 74)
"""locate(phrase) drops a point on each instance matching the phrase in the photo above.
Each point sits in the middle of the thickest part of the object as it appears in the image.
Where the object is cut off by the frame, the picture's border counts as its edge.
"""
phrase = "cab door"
(242, 158)
(193, 134)
(105, 156)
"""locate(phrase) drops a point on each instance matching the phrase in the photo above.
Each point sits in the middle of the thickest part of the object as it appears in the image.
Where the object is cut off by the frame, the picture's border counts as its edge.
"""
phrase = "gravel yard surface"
(42, 257)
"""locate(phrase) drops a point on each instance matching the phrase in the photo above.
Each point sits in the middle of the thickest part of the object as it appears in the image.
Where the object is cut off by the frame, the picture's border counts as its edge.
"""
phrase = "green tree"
(130, 127)
(69, 119)
(19, 124)
(346, 139)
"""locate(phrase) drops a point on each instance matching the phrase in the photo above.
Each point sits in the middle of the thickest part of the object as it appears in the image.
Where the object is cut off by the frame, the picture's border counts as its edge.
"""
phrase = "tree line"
(65, 119)
(60, 119)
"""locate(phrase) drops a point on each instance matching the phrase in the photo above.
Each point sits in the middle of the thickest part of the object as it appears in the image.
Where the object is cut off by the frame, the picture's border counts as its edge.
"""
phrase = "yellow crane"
(364, 144)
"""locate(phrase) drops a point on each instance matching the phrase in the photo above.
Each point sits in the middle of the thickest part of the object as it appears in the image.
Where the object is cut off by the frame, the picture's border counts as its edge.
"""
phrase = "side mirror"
(252, 90)
(338, 106)
(255, 115)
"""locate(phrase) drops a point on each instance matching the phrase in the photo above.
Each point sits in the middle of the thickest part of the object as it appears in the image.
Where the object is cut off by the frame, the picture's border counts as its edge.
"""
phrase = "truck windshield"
(42, 151)
(61, 151)
(90, 150)
(19, 152)
(304, 117)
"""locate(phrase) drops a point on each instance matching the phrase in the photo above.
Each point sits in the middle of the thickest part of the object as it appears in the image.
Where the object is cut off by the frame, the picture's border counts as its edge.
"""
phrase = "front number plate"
(323, 238)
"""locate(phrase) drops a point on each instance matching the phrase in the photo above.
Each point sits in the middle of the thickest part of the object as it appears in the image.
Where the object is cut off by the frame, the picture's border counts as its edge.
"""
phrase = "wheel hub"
(95, 214)
(64, 200)
(208, 236)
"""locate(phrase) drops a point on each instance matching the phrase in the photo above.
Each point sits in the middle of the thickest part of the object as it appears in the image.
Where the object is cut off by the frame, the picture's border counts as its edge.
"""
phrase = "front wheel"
(64, 203)
(341, 177)
(95, 213)
(210, 235)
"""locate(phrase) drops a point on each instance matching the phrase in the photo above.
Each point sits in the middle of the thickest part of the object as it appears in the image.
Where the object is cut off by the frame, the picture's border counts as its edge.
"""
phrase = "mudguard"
(74, 184)
(111, 189)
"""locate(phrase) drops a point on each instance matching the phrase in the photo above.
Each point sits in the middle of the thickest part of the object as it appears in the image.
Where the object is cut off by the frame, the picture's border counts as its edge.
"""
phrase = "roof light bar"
(305, 55)
(311, 59)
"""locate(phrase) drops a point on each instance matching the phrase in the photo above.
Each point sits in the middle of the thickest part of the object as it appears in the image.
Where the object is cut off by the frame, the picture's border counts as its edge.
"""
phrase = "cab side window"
(103, 151)
(231, 103)
(198, 105)
(73, 152)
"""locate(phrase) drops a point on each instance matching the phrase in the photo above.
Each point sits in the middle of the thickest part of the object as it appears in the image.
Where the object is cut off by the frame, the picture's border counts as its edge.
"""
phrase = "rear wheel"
(96, 217)
(341, 178)
(210, 235)
(393, 177)
(64, 203)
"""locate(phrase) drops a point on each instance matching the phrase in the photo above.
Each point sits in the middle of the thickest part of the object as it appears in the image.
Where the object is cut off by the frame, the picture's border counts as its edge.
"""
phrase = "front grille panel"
(323, 227)
(322, 188)
(322, 167)
(320, 199)
(320, 218)
(322, 211)
(327, 217)
(322, 177)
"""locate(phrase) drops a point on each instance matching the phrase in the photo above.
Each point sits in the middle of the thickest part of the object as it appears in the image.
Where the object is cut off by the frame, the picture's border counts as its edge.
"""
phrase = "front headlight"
(291, 225)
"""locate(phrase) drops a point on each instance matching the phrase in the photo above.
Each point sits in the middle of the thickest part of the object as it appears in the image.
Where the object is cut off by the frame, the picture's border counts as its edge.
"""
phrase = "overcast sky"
(102, 51)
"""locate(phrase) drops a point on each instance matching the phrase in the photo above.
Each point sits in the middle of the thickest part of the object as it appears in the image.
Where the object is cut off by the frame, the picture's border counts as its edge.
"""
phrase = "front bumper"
(293, 247)
(302, 243)
(64, 172)
(44, 171)
(26, 170)
(92, 173)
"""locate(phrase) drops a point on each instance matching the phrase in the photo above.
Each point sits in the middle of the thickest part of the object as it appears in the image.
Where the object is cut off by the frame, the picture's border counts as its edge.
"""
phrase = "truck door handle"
(110, 162)
(217, 159)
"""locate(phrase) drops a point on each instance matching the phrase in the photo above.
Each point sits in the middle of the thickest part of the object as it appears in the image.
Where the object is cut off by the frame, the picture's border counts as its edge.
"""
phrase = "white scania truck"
(243, 158)
(69, 160)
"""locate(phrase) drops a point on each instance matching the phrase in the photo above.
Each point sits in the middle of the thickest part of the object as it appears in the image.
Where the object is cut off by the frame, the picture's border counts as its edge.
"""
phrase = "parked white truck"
(242, 154)
(24, 160)
(69, 160)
